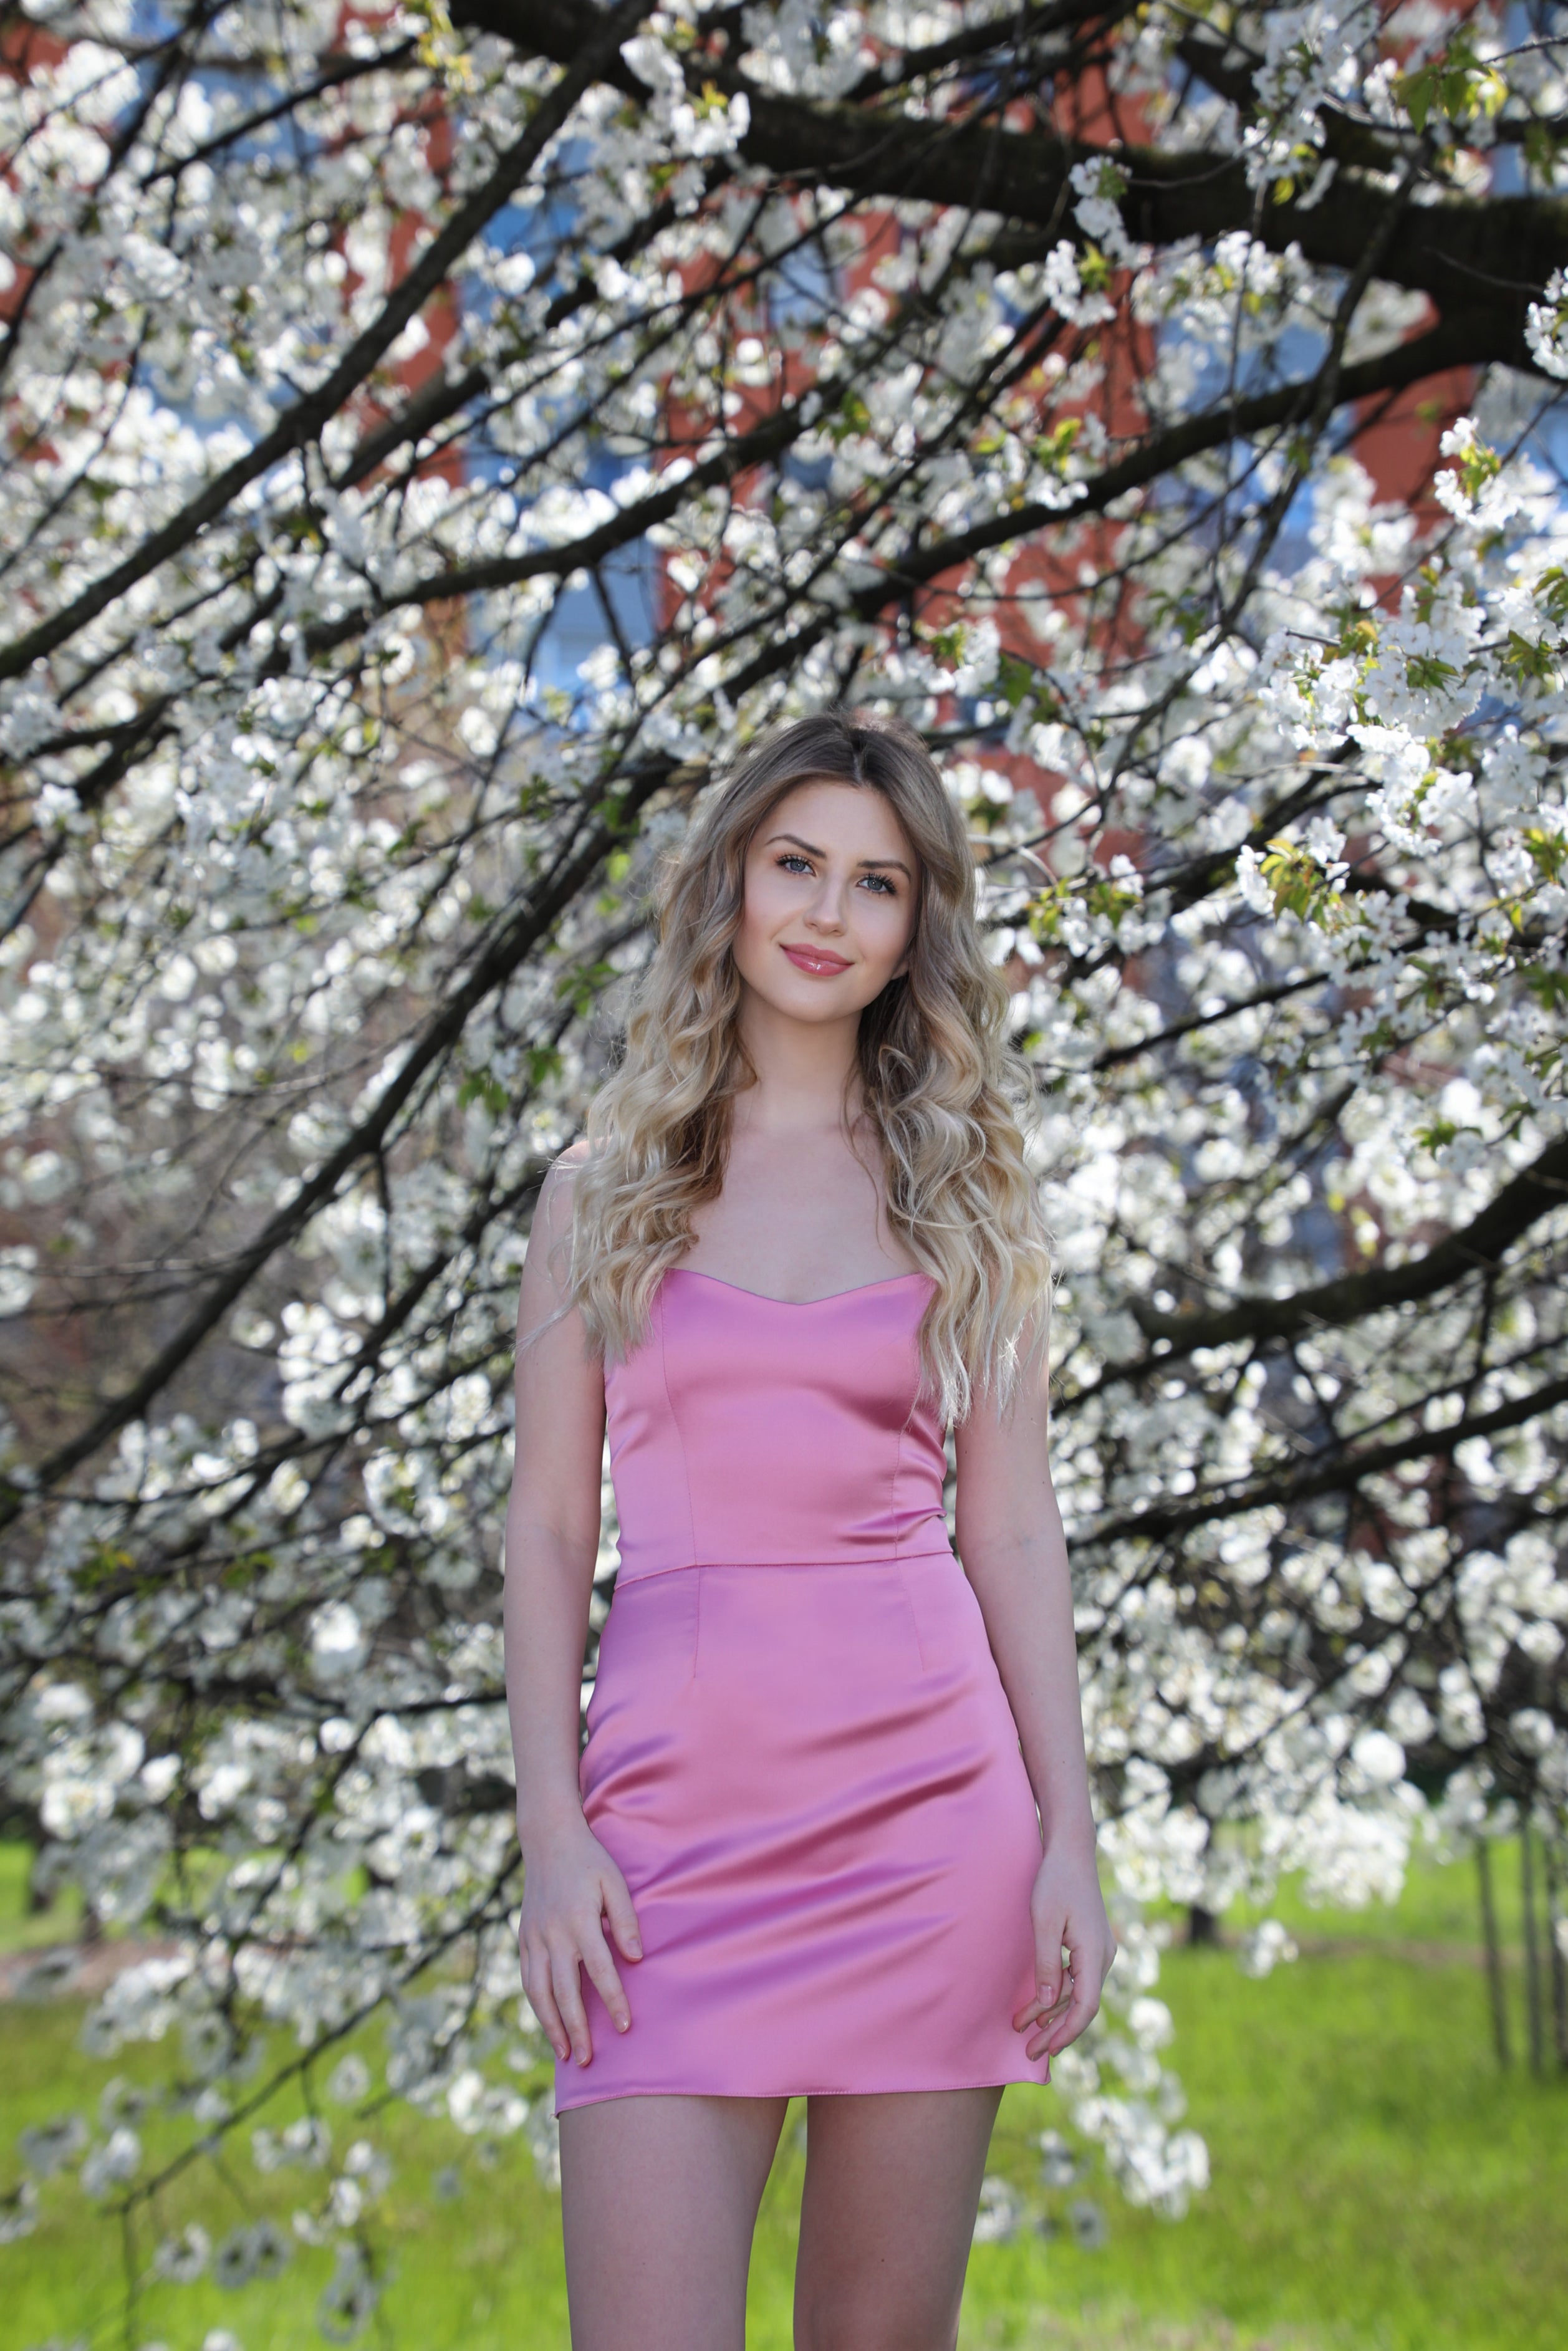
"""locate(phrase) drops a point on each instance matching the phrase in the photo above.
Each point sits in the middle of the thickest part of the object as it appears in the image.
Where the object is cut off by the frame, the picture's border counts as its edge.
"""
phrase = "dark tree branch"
(1532, 1194)
(1339, 1474)
(1489, 255)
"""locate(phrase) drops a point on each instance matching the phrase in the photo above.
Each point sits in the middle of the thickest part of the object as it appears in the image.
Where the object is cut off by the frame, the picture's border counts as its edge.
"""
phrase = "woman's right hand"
(571, 1885)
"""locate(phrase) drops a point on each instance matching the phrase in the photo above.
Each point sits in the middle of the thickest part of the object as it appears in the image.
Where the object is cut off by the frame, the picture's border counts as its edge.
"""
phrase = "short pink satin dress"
(800, 1752)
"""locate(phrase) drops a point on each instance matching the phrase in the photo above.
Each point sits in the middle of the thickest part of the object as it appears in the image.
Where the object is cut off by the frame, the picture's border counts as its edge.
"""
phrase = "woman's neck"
(807, 1072)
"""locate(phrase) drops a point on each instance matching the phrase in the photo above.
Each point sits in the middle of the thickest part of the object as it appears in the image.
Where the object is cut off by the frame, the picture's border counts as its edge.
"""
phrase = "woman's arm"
(1014, 1556)
(569, 1883)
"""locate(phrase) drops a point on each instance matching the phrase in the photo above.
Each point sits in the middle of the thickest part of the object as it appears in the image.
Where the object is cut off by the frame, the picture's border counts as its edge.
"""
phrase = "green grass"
(482, 2268)
(1377, 2186)
(1375, 2182)
(23, 1928)
(1437, 1905)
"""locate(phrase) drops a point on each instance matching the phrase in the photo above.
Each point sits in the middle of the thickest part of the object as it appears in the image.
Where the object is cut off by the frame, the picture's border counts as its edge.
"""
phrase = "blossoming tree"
(432, 442)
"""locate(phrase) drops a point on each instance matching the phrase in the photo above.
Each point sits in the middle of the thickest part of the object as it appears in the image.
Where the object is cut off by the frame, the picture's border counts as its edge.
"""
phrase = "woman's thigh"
(659, 2199)
(887, 2216)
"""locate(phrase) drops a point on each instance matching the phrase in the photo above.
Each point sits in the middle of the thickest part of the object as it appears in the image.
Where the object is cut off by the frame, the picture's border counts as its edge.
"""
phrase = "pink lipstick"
(820, 962)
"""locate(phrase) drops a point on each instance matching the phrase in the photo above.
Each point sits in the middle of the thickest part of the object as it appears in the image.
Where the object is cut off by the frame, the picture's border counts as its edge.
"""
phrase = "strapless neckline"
(766, 1298)
(751, 1428)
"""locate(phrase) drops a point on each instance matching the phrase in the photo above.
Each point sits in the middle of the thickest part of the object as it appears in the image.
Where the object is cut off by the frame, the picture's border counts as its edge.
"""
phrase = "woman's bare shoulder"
(562, 1173)
(545, 1280)
(553, 1207)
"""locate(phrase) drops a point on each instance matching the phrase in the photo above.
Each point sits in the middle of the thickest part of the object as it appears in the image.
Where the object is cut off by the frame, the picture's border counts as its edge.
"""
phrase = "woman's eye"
(880, 881)
(793, 862)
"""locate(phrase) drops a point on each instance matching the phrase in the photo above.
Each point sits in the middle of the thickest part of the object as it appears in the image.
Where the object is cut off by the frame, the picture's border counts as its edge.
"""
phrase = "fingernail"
(622, 2022)
(635, 1948)
(583, 2059)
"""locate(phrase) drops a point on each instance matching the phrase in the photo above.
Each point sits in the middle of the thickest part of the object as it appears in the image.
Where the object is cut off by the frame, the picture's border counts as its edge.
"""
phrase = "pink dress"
(799, 1751)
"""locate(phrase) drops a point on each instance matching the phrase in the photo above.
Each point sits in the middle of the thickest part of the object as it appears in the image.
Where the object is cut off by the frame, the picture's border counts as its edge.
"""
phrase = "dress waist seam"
(942, 1549)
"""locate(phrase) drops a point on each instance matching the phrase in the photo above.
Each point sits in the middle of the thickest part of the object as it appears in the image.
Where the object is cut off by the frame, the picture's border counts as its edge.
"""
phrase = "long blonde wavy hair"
(939, 1087)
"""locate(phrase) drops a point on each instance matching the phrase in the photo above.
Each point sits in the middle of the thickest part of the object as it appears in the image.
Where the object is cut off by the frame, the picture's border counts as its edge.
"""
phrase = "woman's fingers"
(602, 1974)
(1039, 2007)
(1081, 2010)
(1070, 1968)
(1086, 1978)
(622, 1918)
(1041, 2016)
(567, 1985)
(541, 1997)
(1049, 1971)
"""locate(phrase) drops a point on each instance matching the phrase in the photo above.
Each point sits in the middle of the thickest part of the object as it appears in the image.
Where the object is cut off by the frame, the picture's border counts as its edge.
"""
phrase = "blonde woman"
(830, 1833)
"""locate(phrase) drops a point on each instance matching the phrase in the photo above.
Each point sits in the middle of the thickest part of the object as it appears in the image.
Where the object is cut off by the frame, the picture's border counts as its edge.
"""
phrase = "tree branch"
(1489, 253)
(1331, 1477)
(1532, 1194)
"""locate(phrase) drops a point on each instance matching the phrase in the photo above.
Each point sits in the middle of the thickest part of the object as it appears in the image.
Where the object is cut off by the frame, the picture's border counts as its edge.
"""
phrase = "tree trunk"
(1202, 1925)
(1556, 1958)
(1494, 1955)
(1532, 1950)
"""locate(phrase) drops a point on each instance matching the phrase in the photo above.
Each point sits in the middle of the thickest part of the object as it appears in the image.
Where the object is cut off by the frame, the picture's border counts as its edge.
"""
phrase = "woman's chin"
(811, 1001)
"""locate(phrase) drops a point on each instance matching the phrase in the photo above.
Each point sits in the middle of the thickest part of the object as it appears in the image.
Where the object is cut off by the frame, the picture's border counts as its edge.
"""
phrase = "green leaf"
(1527, 659)
(1549, 852)
(1552, 590)
(1458, 85)
(1301, 887)
(482, 1086)
(1548, 986)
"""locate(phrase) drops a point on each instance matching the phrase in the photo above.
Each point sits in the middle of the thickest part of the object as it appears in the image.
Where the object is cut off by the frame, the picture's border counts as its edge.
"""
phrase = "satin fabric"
(800, 1752)
(752, 1429)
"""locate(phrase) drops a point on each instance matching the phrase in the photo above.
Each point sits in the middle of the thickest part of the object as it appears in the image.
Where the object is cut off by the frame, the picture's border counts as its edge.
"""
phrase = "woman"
(797, 1241)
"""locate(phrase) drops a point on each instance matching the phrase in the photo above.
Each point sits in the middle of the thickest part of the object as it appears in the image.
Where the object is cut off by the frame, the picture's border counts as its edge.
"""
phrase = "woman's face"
(831, 886)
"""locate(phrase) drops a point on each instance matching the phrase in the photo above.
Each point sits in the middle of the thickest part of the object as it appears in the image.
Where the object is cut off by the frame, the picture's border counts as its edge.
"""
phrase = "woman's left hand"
(1068, 1911)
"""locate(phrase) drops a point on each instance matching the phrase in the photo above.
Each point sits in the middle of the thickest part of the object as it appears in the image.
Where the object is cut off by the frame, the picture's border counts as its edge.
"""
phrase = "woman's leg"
(887, 2216)
(659, 2199)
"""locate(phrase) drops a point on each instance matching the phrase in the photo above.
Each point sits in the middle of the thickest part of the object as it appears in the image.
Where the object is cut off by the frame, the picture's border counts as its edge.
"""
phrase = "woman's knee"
(869, 2314)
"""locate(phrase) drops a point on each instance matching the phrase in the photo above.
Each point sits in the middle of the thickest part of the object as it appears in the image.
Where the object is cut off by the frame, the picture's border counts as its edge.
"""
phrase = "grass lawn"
(1377, 2186)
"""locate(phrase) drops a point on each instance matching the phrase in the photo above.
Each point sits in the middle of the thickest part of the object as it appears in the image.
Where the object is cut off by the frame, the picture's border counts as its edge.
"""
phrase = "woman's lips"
(820, 962)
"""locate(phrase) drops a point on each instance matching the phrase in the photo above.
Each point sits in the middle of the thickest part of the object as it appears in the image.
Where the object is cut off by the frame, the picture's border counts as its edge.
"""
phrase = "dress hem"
(858, 2090)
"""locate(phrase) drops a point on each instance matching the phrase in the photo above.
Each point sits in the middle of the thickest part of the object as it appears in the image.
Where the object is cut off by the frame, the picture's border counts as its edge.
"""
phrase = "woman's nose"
(825, 913)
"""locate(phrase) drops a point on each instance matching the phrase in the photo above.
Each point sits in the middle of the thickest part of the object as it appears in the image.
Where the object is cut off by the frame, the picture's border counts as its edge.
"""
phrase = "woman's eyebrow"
(897, 863)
